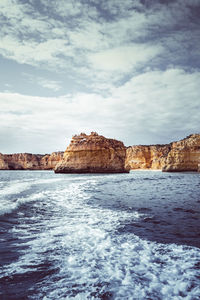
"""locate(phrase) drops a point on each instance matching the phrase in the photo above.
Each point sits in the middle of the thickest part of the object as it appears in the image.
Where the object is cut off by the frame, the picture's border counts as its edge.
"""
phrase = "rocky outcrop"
(184, 155)
(48, 162)
(27, 161)
(146, 157)
(3, 163)
(93, 154)
(22, 161)
(97, 154)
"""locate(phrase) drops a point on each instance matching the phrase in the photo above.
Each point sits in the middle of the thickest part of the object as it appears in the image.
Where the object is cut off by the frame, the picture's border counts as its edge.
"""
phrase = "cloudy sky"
(128, 69)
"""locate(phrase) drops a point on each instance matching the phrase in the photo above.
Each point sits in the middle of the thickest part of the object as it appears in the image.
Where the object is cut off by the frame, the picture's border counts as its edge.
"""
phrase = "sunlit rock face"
(184, 155)
(3, 163)
(146, 157)
(93, 154)
(28, 161)
(96, 154)
(22, 161)
(49, 161)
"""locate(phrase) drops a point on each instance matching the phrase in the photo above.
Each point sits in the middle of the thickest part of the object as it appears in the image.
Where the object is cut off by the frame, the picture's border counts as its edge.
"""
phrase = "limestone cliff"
(184, 155)
(93, 154)
(50, 161)
(146, 157)
(27, 161)
(3, 163)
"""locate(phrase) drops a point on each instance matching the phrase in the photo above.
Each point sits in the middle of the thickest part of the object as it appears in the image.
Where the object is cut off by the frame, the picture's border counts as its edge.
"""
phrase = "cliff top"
(31, 154)
(93, 141)
(192, 138)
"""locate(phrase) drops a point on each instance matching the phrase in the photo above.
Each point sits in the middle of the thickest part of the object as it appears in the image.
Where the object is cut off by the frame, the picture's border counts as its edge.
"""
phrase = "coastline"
(95, 153)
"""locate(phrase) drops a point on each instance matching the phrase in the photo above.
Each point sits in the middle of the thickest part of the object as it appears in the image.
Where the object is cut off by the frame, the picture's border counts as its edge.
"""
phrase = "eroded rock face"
(3, 163)
(27, 161)
(97, 154)
(48, 162)
(146, 157)
(184, 155)
(93, 154)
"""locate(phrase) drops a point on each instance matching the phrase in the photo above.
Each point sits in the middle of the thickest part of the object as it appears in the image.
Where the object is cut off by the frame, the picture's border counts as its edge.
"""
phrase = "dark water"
(123, 236)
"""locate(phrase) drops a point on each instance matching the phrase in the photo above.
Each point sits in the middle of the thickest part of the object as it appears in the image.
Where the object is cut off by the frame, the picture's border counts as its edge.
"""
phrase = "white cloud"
(31, 38)
(76, 36)
(88, 37)
(13, 9)
(31, 52)
(49, 84)
(122, 8)
(123, 58)
(64, 8)
(101, 50)
(155, 107)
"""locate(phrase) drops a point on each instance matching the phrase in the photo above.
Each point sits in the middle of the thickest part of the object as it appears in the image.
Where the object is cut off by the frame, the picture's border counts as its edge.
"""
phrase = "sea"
(99, 236)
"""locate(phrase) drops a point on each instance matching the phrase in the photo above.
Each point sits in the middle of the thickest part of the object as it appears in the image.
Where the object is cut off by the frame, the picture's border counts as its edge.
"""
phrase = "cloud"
(123, 58)
(29, 37)
(90, 40)
(88, 37)
(64, 8)
(70, 9)
(154, 107)
(128, 69)
(33, 53)
(49, 84)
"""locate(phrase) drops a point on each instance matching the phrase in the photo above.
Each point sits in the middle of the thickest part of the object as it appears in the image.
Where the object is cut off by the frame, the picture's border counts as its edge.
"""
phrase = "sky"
(129, 70)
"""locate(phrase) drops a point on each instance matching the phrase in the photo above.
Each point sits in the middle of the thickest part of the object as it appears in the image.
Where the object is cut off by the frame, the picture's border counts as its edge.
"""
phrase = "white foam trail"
(92, 259)
(9, 206)
(15, 188)
(44, 181)
(6, 205)
(18, 186)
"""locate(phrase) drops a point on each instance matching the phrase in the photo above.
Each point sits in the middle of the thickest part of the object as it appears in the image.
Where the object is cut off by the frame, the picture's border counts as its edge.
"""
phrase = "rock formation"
(50, 161)
(93, 154)
(184, 155)
(3, 163)
(97, 154)
(146, 157)
(27, 161)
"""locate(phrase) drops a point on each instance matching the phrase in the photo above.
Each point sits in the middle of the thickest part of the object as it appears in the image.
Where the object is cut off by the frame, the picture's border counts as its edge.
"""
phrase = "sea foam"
(73, 243)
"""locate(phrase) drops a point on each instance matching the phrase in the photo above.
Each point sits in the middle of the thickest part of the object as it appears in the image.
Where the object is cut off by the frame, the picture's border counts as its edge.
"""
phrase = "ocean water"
(120, 236)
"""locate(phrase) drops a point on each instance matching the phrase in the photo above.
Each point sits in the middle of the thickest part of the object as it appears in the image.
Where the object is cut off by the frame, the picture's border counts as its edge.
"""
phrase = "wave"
(18, 186)
(90, 261)
(10, 195)
(15, 188)
(8, 207)
(75, 249)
